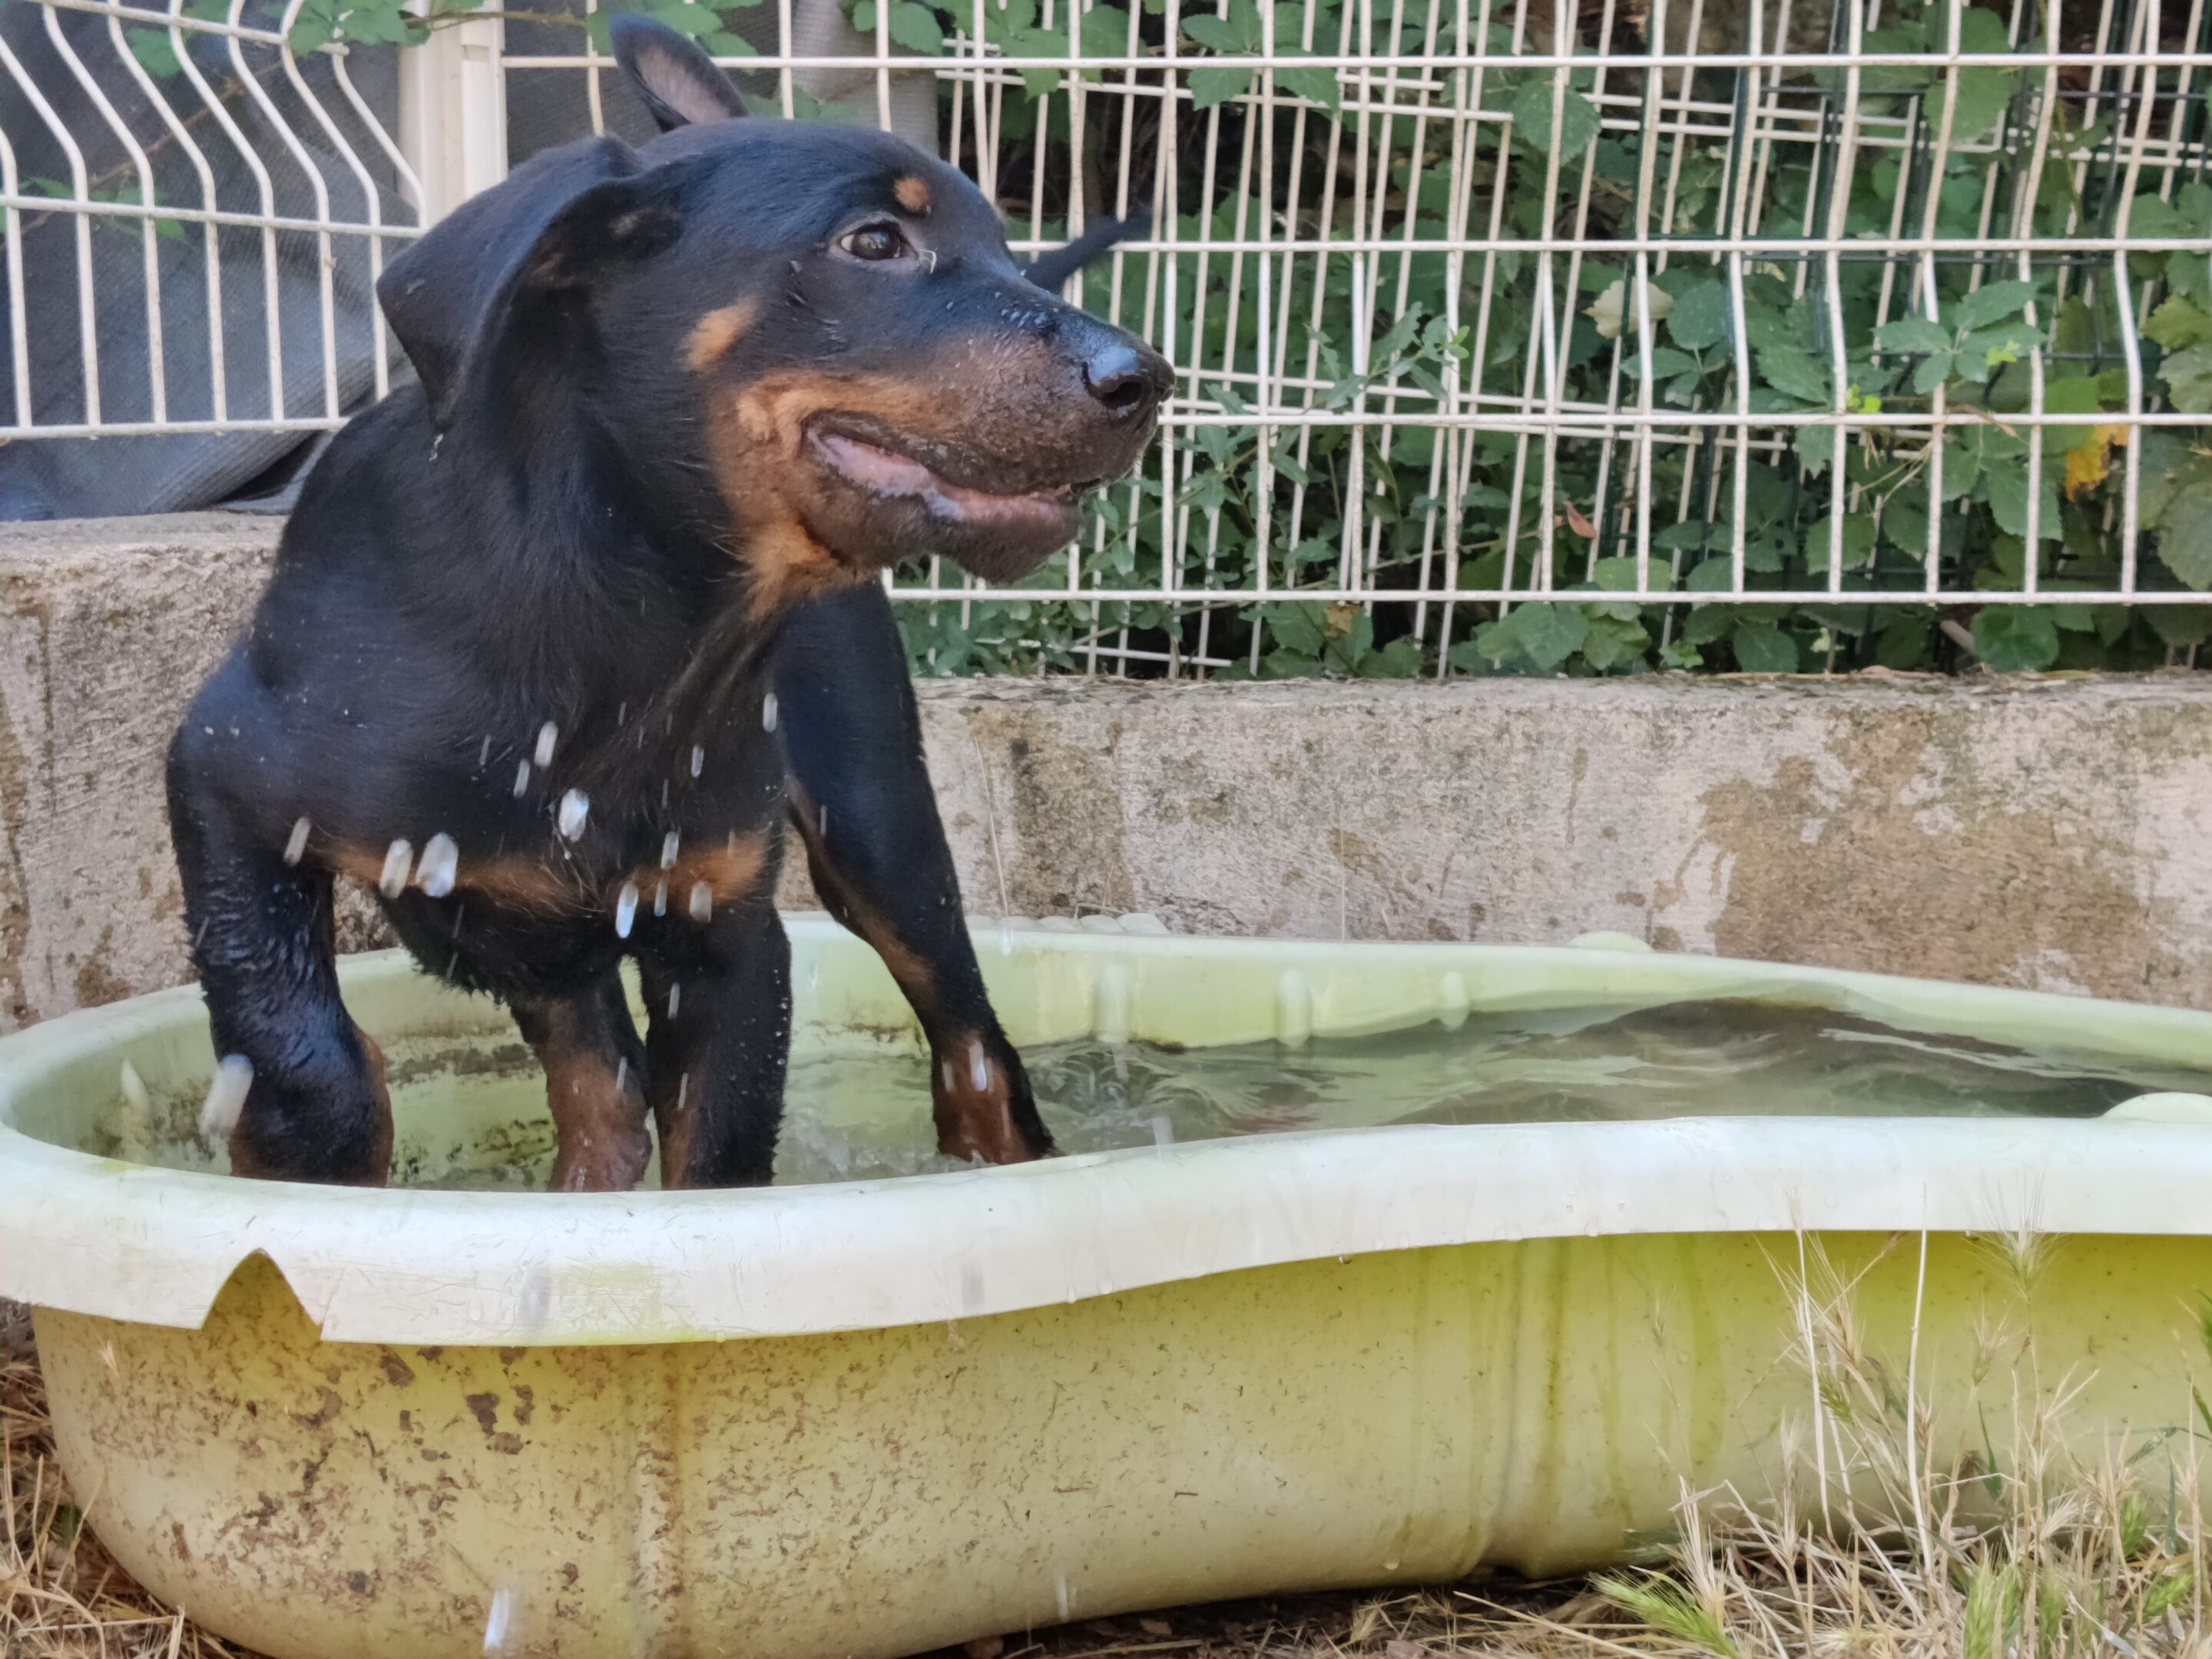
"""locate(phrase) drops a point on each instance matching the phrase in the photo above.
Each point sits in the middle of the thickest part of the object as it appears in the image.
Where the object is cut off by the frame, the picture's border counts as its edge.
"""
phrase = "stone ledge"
(2043, 833)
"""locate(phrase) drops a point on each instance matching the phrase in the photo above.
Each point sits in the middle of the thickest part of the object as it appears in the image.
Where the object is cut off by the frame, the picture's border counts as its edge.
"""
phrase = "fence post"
(452, 114)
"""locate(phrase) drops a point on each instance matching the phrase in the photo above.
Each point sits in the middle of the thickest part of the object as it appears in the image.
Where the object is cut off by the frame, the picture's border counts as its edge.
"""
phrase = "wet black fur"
(535, 533)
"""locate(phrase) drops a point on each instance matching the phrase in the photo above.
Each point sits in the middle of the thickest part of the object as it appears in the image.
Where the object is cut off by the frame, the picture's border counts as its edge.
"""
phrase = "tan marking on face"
(973, 1104)
(912, 193)
(599, 1105)
(714, 333)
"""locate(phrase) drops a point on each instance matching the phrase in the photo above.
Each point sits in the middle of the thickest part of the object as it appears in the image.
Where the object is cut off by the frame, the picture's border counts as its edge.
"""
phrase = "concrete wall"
(2041, 833)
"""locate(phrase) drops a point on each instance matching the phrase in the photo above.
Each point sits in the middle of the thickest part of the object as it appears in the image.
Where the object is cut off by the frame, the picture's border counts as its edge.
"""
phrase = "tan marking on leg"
(599, 1105)
(730, 871)
(913, 193)
(912, 974)
(973, 1105)
(717, 332)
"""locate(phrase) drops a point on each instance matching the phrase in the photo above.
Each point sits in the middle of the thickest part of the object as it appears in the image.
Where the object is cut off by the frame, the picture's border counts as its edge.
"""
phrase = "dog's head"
(815, 332)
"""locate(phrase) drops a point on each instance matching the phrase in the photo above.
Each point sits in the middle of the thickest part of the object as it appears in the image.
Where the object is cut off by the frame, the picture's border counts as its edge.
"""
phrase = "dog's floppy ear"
(678, 83)
(488, 281)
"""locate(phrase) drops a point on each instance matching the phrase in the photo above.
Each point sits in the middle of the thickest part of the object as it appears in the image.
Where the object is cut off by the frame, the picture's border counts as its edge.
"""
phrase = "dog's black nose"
(1126, 379)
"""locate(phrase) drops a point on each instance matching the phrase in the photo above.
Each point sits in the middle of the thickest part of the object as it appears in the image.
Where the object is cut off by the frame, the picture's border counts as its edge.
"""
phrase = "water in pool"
(475, 1117)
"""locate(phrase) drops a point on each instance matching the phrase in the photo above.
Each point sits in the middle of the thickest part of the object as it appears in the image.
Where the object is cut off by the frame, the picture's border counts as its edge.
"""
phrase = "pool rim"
(96, 1236)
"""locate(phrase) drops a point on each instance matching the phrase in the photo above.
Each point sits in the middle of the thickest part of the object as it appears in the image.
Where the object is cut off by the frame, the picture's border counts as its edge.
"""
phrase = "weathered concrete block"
(2039, 833)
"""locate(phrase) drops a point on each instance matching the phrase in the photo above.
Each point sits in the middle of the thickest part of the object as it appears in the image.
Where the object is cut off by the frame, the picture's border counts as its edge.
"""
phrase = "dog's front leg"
(262, 937)
(875, 847)
(718, 1002)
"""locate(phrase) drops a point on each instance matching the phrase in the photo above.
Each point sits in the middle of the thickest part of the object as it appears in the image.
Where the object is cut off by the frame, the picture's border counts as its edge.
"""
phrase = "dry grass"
(1865, 1548)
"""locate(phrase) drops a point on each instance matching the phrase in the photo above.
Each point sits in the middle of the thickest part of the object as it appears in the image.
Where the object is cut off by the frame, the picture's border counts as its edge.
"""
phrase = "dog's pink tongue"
(876, 469)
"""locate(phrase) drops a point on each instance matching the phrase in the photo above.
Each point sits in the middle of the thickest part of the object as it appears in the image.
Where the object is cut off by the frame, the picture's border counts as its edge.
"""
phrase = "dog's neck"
(602, 587)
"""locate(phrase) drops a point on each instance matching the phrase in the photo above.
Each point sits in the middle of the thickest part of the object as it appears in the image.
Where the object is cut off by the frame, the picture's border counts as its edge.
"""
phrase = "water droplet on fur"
(675, 999)
(625, 910)
(669, 843)
(483, 751)
(576, 807)
(547, 735)
(767, 713)
(225, 1097)
(660, 898)
(683, 1088)
(398, 860)
(441, 866)
(698, 759)
(296, 845)
(702, 901)
(522, 777)
(979, 1067)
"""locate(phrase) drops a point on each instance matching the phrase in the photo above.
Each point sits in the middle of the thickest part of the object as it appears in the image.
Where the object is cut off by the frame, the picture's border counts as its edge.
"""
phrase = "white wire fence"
(1764, 334)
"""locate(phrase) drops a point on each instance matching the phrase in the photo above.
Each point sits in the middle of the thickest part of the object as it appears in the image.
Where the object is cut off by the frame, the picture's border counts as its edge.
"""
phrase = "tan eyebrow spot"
(913, 194)
(717, 332)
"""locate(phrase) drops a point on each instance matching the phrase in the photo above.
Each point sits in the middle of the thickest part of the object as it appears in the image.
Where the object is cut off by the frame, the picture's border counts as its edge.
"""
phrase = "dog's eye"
(875, 242)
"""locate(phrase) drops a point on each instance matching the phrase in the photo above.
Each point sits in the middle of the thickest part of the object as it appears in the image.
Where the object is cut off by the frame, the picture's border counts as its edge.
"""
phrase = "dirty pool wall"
(2047, 834)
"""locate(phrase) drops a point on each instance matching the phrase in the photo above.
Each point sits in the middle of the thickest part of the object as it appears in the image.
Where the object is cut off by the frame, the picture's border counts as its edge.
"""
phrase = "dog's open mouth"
(885, 472)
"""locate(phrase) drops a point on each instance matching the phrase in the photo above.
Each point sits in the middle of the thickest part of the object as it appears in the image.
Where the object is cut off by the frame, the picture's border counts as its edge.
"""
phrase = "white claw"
(225, 1097)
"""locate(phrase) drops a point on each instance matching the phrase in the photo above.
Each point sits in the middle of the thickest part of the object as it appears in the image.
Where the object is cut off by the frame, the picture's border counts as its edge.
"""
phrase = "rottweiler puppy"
(560, 634)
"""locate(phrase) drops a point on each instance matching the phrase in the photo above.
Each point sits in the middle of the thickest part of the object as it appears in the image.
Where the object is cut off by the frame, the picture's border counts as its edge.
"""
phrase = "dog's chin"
(875, 506)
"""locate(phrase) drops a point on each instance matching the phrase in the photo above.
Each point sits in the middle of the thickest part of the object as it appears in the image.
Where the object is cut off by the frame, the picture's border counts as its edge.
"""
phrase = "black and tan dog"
(558, 637)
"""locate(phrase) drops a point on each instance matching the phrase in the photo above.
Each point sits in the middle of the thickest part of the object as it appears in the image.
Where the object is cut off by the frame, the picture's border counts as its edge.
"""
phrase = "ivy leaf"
(1984, 95)
(2008, 493)
(2189, 380)
(1990, 301)
(916, 28)
(1762, 648)
(1798, 374)
(1913, 334)
(157, 55)
(2184, 536)
(2011, 637)
(1663, 362)
(1236, 34)
(2177, 324)
(1299, 628)
(1701, 316)
(1532, 119)
(1858, 542)
(1613, 641)
(1318, 84)
(2169, 466)
(1708, 623)
(1209, 86)
(1903, 640)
